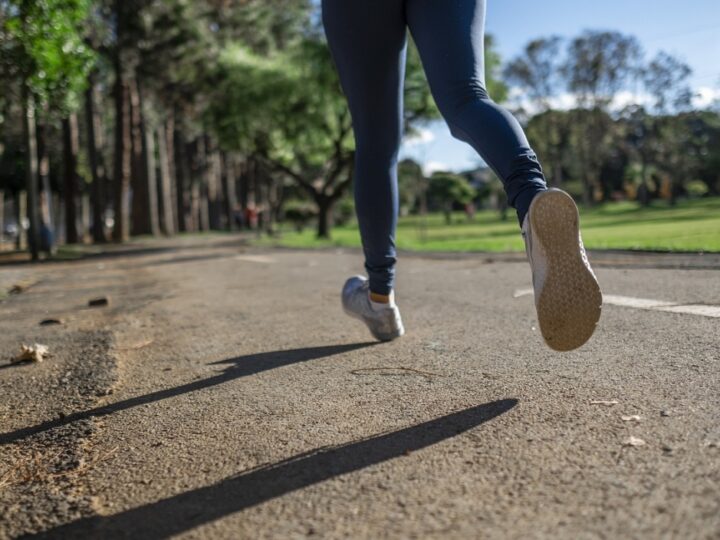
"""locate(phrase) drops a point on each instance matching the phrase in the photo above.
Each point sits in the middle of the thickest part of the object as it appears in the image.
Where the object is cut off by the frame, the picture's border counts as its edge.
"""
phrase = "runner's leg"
(450, 38)
(367, 39)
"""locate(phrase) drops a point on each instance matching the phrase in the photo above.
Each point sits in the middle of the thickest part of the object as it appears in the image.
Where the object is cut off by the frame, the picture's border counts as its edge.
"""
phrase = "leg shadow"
(182, 512)
(241, 366)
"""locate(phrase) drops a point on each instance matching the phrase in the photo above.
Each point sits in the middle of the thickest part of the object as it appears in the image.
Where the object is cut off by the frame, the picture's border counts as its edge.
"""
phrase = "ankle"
(379, 298)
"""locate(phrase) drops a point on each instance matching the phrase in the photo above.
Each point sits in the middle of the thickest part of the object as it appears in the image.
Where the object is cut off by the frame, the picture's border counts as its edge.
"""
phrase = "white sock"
(379, 306)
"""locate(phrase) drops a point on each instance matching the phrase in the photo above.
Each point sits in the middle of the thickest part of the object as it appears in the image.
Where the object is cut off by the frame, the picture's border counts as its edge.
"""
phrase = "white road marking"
(637, 303)
(522, 292)
(648, 304)
(261, 259)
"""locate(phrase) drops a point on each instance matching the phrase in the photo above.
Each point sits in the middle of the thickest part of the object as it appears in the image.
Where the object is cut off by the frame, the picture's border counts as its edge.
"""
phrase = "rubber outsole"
(380, 337)
(570, 302)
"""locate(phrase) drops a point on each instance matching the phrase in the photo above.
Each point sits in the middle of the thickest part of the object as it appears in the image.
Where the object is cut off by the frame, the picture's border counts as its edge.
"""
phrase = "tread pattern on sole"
(570, 302)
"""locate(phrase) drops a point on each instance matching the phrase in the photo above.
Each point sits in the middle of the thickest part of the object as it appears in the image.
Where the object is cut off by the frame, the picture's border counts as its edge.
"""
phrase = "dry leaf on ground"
(20, 287)
(31, 353)
(634, 441)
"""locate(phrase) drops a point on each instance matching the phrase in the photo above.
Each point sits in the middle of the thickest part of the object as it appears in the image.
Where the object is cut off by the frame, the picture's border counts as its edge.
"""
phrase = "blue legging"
(368, 42)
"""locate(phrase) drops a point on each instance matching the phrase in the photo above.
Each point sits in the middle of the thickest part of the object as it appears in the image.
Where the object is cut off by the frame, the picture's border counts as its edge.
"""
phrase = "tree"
(70, 191)
(412, 185)
(289, 112)
(538, 72)
(665, 79)
(446, 189)
(598, 65)
(46, 54)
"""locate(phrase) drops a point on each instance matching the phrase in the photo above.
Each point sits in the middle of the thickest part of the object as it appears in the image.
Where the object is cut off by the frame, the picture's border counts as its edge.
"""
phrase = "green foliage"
(412, 184)
(446, 189)
(496, 87)
(344, 211)
(697, 188)
(280, 106)
(264, 26)
(44, 48)
(299, 213)
(537, 70)
(599, 64)
(665, 78)
(419, 103)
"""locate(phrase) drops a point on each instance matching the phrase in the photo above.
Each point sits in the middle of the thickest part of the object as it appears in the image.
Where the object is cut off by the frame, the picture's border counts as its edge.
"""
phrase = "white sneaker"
(384, 323)
(567, 295)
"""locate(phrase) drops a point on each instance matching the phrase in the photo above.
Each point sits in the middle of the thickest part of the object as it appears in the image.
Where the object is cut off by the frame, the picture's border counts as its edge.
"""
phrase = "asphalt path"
(224, 394)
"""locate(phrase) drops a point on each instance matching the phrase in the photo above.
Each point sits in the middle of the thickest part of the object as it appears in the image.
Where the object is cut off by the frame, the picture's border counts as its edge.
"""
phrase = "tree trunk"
(46, 213)
(151, 172)
(84, 216)
(142, 206)
(70, 183)
(170, 142)
(97, 170)
(213, 183)
(121, 230)
(325, 205)
(32, 171)
(558, 173)
(204, 211)
(182, 180)
(644, 194)
(228, 183)
(167, 222)
(20, 215)
(194, 149)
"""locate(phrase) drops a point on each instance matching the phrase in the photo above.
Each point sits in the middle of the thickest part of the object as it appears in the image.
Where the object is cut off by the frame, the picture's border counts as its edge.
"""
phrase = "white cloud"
(625, 98)
(434, 166)
(421, 137)
(705, 97)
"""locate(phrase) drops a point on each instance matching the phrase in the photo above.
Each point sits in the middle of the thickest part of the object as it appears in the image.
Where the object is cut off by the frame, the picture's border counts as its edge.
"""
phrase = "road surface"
(222, 393)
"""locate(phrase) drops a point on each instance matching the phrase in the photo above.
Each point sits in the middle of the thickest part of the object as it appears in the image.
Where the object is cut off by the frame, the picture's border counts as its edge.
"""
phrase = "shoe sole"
(384, 337)
(570, 302)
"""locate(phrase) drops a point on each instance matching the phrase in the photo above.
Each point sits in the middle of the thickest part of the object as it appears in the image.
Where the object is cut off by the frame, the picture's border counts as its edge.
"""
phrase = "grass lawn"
(689, 226)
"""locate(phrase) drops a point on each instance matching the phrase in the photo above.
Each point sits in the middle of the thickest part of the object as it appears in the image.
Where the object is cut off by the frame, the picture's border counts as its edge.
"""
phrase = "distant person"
(368, 40)
(470, 210)
(251, 216)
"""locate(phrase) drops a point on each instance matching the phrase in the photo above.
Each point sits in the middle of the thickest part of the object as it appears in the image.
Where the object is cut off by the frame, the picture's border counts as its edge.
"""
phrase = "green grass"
(689, 226)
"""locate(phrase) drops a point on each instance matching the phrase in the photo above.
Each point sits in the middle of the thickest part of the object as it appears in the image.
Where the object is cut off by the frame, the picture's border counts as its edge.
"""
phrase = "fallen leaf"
(20, 287)
(630, 418)
(605, 402)
(634, 441)
(31, 353)
(97, 302)
(49, 322)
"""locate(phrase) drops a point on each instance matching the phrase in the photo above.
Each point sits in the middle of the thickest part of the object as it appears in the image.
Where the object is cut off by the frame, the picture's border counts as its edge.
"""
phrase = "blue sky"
(688, 29)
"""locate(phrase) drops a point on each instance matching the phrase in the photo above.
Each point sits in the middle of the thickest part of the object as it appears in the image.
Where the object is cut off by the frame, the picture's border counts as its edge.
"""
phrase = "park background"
(137, 118)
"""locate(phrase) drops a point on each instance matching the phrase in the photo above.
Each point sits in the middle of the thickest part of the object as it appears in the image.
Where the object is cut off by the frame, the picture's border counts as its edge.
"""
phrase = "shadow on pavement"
(241, 366)
(15, 364)
(182, 512)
